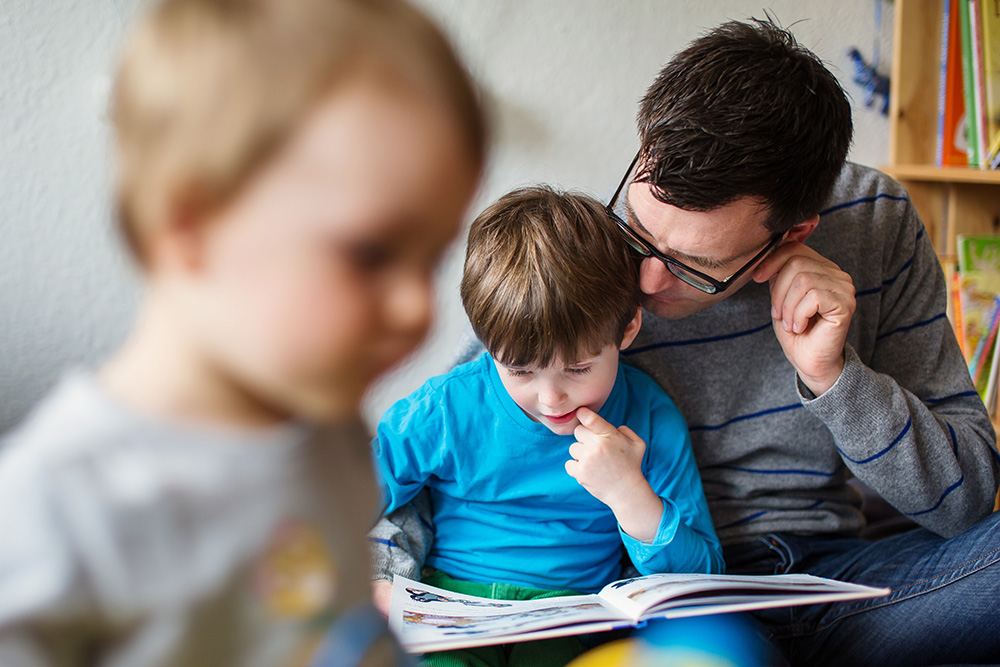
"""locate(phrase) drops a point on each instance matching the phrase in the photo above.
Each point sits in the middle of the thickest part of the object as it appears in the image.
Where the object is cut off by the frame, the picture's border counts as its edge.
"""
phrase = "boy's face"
(317, 277)
(552, 394)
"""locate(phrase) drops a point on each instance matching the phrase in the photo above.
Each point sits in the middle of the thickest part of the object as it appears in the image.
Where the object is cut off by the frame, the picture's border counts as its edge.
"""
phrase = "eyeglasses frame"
(647, 249)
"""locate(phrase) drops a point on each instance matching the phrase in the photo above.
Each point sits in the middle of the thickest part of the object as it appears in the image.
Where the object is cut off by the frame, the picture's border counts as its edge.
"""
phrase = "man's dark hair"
(745, 111)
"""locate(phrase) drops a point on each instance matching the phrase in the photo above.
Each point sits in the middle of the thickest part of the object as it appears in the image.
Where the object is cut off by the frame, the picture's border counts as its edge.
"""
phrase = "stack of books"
(975, 311)
(969, 95)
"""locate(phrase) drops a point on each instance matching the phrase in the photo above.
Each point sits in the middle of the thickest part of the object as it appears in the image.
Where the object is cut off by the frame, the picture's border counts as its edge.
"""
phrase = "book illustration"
(420, 595)
(426, 618)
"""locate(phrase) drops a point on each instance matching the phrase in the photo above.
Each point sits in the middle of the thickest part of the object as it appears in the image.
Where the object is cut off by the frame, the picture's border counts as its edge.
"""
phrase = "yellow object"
(618, 653)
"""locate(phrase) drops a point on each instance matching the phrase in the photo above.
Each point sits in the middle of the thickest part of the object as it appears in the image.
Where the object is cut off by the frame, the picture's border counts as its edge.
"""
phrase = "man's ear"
(632, 330)
(801, 231)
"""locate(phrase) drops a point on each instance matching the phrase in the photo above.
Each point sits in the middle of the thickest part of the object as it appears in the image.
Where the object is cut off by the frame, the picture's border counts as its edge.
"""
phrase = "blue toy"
(871, 82)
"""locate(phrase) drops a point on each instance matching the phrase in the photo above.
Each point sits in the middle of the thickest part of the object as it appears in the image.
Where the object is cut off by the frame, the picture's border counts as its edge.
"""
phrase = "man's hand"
(382, 595)
(607, 462)
(812, 303)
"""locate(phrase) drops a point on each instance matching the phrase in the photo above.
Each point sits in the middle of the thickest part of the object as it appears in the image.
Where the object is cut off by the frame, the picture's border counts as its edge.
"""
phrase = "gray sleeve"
(907, 419)
(400, 541)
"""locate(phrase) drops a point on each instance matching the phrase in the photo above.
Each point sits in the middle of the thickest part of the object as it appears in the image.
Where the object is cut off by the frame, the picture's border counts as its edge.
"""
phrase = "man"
(799, 324)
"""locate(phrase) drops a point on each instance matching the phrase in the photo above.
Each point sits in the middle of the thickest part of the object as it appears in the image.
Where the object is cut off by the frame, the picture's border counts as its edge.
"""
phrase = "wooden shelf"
(933, 174)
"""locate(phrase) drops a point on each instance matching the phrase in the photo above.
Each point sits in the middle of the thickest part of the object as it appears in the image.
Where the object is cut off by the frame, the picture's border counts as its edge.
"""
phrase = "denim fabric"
(944, 607)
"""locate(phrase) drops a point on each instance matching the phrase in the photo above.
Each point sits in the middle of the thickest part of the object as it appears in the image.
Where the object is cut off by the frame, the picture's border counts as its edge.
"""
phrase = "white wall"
(563, 78)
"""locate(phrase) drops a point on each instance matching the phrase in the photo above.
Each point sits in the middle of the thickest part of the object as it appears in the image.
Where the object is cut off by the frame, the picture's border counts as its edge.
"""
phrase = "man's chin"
(673, 309)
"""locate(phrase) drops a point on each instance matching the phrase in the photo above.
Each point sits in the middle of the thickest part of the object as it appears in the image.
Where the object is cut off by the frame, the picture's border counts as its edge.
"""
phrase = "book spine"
(939, 150)
(991, 70)
(989, 398)
(979, 82)
(956, 304)
(956, 146)
(970, 88)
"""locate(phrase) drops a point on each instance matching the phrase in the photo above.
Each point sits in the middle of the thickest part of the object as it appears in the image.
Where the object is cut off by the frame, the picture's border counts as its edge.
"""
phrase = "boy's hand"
(607, 462)
(812, 304)
(382, 595)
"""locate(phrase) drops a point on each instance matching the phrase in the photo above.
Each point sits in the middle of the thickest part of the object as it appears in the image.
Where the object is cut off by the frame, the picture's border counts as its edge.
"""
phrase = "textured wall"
(562, 76)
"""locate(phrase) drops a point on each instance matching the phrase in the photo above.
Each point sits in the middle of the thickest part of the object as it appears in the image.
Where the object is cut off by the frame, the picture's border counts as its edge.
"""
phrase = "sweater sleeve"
(399, 542)
(685, 540)
(906, 419)
(405, 453)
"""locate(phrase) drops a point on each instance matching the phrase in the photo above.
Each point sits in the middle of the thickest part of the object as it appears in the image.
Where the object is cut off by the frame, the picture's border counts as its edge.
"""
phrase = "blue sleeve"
(685, 540)
(409, 447)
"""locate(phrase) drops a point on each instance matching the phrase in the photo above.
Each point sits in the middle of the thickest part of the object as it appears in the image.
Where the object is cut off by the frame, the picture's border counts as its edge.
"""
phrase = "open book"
(432, 619)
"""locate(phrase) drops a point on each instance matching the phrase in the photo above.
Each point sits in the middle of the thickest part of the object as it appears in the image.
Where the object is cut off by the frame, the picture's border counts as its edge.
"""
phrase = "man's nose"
(654, 276)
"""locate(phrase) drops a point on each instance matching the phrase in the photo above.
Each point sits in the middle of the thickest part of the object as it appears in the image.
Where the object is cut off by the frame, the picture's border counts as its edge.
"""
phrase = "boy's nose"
(552, 396)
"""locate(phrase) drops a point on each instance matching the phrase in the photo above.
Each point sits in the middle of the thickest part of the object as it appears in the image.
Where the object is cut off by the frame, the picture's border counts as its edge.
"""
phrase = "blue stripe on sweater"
(863, 200)
(696, 341)
(940, 500)
(906, 429)
(380, 540)
(954, 439)
(889, 281)
(774, 471)
(753, 415)
(908, 327)
(745, 519)
(757, 515)
(961, 394)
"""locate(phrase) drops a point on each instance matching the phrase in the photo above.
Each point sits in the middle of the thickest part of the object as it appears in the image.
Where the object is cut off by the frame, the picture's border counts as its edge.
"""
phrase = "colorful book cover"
(954, 149)
(968, 78)
(991, 71)
(979, 270)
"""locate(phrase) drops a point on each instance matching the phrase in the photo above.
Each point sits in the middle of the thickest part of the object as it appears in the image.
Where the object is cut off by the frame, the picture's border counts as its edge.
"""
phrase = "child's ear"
(180, 241)
(632, 330)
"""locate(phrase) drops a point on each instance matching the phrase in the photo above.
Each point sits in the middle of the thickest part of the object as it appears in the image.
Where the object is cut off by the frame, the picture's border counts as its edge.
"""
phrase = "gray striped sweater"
(903, 417)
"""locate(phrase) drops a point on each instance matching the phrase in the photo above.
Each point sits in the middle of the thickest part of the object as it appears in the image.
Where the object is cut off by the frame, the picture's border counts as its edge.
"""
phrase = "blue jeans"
(944, 607)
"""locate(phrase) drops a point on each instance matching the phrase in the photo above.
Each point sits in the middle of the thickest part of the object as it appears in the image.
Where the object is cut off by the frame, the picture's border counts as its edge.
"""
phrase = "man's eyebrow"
(704, 262)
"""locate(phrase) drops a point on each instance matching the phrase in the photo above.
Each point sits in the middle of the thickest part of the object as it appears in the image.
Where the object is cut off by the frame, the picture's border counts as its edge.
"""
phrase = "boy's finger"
(630, 434)
(594, 422)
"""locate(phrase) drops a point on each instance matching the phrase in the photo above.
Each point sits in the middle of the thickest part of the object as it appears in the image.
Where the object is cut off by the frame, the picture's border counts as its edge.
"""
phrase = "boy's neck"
(162, 372)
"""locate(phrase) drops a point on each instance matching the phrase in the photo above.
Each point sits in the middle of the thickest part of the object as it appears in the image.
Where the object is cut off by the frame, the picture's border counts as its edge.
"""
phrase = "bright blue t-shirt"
(506, 510)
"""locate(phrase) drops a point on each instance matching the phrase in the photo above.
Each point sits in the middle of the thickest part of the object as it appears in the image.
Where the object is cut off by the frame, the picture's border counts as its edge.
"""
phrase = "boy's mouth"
(562, 419)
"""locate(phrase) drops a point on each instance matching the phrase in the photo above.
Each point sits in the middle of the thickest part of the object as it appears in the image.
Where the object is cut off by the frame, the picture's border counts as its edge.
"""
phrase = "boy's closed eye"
(524, 372)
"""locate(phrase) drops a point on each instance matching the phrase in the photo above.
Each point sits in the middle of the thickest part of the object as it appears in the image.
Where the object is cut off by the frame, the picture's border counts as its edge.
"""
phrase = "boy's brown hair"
(207, 90)
(548, 277)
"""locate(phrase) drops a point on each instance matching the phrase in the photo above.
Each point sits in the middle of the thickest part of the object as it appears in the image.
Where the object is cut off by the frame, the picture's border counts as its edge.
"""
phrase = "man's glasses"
(691, 276)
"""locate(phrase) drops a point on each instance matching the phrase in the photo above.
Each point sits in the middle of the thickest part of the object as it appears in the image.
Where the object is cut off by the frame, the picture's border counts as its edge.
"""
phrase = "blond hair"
(547, 276)
(207, 90)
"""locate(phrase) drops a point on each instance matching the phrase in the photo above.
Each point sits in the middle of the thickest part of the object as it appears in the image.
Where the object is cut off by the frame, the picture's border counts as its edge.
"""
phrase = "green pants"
(554, 652)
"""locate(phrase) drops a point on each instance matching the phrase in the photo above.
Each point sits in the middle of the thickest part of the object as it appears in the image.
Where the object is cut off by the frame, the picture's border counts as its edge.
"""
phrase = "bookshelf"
(950, 200)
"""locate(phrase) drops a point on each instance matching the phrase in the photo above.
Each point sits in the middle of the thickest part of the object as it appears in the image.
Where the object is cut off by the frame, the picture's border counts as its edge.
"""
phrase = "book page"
(427, 618)
(718, 592)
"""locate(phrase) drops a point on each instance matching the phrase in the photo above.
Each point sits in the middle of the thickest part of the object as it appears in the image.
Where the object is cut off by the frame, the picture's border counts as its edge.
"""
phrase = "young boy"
(289, 174)
(546, 455)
